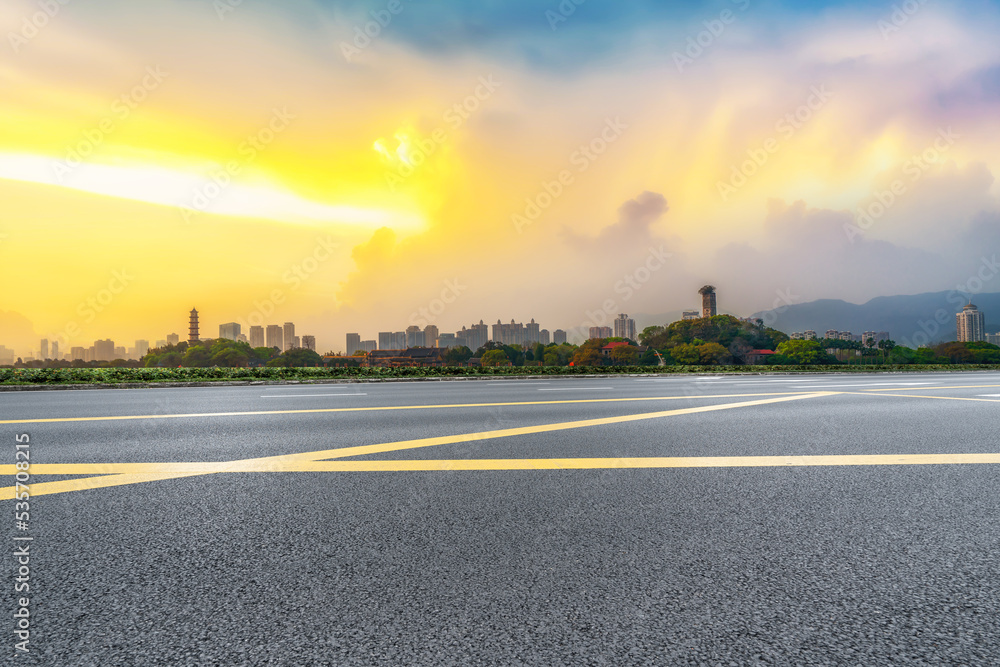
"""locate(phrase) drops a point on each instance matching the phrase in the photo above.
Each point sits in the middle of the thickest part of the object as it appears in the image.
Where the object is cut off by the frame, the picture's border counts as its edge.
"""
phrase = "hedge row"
(142, 375)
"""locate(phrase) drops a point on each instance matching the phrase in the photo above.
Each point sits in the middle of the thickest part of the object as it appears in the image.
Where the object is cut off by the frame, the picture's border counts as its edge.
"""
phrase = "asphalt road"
(789, 520)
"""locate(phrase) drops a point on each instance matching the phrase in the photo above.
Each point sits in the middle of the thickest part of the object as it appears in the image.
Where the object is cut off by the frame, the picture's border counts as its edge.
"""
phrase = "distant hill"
(902, 316)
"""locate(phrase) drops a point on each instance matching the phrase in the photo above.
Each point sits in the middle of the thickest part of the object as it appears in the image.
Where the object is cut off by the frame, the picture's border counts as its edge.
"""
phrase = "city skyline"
(613, 161)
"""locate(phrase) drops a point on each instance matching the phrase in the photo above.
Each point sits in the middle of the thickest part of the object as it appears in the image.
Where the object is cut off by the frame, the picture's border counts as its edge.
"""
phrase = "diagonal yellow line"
(50, 420)
(641, 462)
(116, 474)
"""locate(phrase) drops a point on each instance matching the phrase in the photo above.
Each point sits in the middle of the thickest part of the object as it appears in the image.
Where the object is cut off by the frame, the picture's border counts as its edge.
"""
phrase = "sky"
(367, 166)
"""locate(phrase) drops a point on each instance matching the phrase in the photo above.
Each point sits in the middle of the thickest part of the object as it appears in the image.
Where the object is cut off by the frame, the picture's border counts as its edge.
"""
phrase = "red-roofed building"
(606, 350)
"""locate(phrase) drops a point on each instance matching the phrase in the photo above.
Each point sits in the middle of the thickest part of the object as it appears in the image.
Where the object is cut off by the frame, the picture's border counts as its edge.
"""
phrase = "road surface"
(772, 520)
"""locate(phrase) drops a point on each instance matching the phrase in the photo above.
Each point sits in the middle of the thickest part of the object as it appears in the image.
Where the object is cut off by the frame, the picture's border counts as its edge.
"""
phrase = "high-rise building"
(447, 340)
(288, 336)
(971, 324)
(384, 340)
(431, 335)
(77, 353)
(559, 336)
(708, 301)
(141, 348)
(296, 343)
(55, 349)
(808, 334)
(690, 315)
(44, 353)
(161, 343)
(256, 336)
(309, 342)
(121, 352)
(475, 337)
(831, 334)
(515, 333)
(368, 346)
(600, 332)
(845, 335)
(415, 337)
(193, 326)
(624, 327)
(230, 330)
(6, 355)
(543, 336)
(353, 343)
(993, 339)
(532, 332)
(173, 339)
(104, 350)
(274, 337)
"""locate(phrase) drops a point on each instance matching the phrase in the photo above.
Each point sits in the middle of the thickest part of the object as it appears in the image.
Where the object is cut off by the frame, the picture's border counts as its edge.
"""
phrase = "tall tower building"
(971, 324)
(256, 335)
(708, 301)
(274, 337)
(624, 327)
(431, 334)
(230, 330)
(44, 352)
(141, 348)
(55, 349)
(173, 339)
(289, 336)
(193, 326)
(309, 342)
(354, 342)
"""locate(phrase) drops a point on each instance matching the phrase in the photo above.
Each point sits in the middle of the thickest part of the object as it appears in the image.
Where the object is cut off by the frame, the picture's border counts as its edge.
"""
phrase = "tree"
(804, 352)
(494, 358)
(589, 354)
(712, 353)
(196, 357)
(648, 333)
(625, 355)
(457, 355)
(686, 354)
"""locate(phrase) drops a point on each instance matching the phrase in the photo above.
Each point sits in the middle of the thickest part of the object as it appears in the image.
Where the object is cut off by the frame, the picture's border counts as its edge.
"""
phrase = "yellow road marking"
(50, 420)
(49, 488)
(640, 462)
(116, 474)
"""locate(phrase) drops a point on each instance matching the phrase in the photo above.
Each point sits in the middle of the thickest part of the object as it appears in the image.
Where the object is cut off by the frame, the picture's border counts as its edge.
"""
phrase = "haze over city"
(348, 166)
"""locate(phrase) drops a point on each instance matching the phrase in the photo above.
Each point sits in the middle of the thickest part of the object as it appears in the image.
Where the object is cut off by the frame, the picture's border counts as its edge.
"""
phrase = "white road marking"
(573, 388)
(869, 384)
(301, 395)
